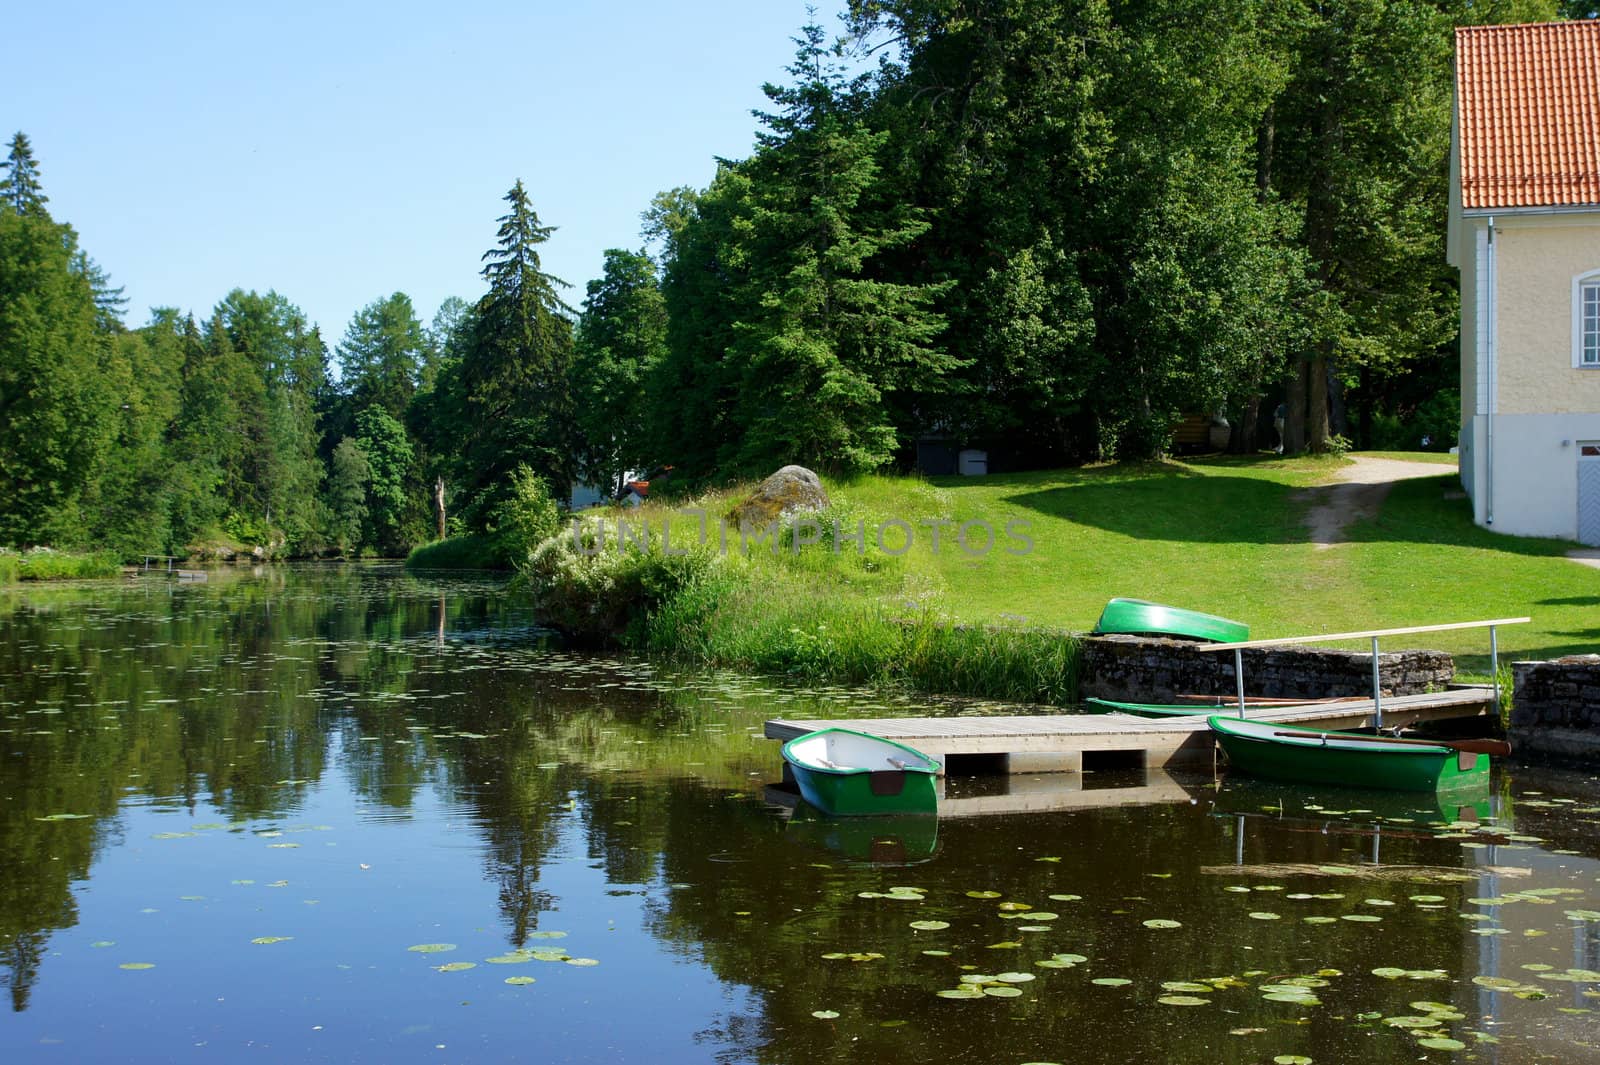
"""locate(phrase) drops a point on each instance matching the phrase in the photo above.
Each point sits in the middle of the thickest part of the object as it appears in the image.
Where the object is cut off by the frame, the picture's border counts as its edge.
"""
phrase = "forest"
(1048, 228)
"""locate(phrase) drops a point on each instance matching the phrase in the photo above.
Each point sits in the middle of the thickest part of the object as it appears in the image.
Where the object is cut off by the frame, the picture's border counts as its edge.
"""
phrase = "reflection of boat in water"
(1239, 795)
(902, 840)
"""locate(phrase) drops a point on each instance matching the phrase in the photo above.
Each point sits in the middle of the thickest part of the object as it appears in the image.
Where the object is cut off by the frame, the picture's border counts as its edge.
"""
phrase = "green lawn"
(1227, 536)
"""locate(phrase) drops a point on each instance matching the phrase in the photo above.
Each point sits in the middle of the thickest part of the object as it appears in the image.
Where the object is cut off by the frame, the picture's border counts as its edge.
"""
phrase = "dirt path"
(1357, 492)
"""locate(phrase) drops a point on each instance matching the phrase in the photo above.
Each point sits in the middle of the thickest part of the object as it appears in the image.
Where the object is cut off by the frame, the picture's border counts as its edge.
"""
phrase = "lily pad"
(1183, 1000)
(456, 966)
(137, 965)
(1442, 1043)
(432, 948)
(1003, 991)
(586, 962)
(1412, 1022)
(1162, 922)
(519, 980)
(1186, 985)
(267, 940)
(983, 894)
(1263, 915)
(825, 1015)
(961, 992)
(930, 926)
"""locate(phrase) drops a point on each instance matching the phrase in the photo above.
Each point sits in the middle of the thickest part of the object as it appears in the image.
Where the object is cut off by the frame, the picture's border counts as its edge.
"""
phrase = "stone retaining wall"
(1146, 669)
(1555, 707)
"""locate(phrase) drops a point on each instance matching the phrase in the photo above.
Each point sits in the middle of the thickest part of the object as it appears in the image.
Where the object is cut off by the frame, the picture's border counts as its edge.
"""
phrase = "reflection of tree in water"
(249, 661)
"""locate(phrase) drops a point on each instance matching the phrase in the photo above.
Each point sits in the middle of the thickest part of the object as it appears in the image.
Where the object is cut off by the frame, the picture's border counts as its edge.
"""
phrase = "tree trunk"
(1317, 403)
(1364, 416)
(1247, 429)
(1336, 402)
(438, 503)
(1294, 402)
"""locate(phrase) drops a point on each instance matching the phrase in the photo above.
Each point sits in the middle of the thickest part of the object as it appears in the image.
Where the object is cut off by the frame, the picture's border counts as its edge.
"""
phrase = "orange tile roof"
(1528, 101)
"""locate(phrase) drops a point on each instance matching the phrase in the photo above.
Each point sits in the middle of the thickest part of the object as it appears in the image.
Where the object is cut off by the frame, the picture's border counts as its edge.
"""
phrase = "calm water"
(229, 812)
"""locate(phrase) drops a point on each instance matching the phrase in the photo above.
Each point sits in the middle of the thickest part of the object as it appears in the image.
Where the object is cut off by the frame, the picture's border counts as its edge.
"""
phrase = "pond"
(346, 814)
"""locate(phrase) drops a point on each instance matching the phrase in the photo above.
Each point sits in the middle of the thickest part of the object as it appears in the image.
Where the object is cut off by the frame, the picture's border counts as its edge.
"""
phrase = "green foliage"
(621, 339)
(349, 478)
(55, 403)
(44, 564)
(20, 188)
(465, 551)
(597, 593)
(382, 355)
(390, 501)
(512, 403)
(524, 516)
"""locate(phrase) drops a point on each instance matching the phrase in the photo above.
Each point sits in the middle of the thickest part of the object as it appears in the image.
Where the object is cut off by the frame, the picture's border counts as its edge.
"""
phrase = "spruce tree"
(514, 373)
(20, 187)
(834, 334)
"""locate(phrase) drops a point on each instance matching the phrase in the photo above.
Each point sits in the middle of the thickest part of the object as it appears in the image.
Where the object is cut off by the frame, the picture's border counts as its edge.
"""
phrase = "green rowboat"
(845, 773)
(1101, 706)
(1316, 756)
(1219, 703)
(1136, 617)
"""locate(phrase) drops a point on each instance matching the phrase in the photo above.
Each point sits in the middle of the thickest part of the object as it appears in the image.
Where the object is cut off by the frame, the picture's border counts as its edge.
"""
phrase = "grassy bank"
(43, 564)
(467, 551)
(1224, 534)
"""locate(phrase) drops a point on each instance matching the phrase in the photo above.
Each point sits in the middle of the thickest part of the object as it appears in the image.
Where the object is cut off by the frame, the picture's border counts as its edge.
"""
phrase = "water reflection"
(270, 785)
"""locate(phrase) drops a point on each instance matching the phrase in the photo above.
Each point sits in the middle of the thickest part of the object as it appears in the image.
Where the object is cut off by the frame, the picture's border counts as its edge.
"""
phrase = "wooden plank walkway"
(1058, 742)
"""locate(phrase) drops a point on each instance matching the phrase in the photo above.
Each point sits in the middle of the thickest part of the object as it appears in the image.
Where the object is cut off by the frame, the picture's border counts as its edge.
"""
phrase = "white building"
(1524, 230)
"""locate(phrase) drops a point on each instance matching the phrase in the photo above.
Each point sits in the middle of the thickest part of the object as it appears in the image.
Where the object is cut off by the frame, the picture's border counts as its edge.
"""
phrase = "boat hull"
(1279, 752)
(844, 773)
(1101, 706)
(1137, 617)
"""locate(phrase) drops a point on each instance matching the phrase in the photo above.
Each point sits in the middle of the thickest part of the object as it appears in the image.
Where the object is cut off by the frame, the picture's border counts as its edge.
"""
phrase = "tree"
(382, 354)
(514, 374)
(56, 402)
(390, 505)
(348, 477)
(832, 334)
(20, 187)
(622, 336)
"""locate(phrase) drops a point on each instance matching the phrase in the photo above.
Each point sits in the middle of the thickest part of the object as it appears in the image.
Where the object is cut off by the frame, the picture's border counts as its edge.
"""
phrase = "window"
(1589, 327)
(1586, 320)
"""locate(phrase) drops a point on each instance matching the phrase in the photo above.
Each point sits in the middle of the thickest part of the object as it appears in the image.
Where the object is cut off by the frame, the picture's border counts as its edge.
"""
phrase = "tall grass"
(44, 564)
(467, 551)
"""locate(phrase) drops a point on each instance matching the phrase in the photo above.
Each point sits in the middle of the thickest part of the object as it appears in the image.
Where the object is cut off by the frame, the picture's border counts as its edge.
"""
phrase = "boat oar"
(1499, 748)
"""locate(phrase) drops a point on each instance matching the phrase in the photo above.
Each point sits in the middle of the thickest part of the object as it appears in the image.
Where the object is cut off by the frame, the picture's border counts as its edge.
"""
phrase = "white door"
(1589, 493)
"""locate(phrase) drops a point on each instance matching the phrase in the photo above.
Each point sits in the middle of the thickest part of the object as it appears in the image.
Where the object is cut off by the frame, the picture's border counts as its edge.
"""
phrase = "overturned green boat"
(845, 773)
(1137, 617)
(1316, 756)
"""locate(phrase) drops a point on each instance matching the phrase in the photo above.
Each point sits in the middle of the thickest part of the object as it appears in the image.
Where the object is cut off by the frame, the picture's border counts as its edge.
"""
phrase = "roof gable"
(1528, 114)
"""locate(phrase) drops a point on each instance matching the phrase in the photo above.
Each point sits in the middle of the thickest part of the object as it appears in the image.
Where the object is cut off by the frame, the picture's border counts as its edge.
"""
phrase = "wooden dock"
(1060, 742)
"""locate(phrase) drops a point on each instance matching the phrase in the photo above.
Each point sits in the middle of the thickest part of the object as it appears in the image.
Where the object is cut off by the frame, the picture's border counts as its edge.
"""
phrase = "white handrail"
(1365, 634)
(1373, 635)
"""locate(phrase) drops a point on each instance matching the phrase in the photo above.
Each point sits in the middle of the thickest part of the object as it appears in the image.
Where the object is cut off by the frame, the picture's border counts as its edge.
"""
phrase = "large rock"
(791, 489)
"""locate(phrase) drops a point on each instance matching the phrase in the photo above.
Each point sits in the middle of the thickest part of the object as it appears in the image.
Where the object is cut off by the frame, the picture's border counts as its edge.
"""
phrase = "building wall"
(1535, 483)
(1536, 259)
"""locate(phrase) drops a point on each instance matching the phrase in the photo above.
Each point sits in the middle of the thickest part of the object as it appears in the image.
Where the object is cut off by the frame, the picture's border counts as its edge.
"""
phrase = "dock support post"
(1238, 677)
(1494, 667)
(1377, 689)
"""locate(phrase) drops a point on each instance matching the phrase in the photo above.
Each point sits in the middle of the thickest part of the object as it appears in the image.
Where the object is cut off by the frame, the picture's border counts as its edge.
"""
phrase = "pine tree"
(514, 374)
(20, 187)
(621, 339)
(834, 335)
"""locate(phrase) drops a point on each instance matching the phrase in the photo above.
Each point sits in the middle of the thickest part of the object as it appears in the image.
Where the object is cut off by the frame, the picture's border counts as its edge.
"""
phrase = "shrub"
(600, 594)
(466, 551)
(521, 521)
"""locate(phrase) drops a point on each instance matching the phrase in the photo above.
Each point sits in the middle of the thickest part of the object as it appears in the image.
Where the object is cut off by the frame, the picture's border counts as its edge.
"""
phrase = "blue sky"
(340, 152)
